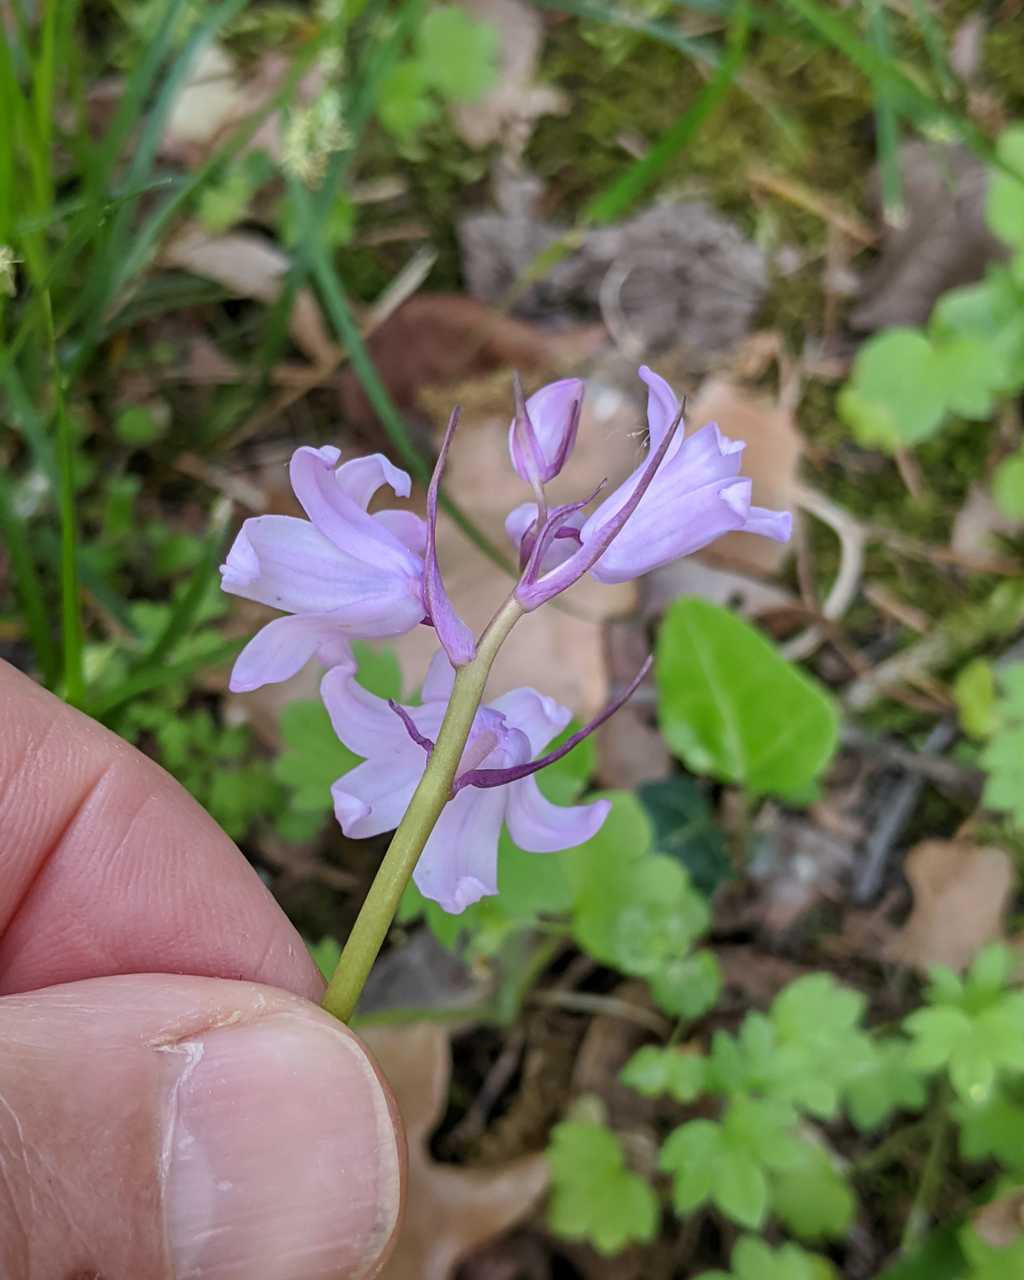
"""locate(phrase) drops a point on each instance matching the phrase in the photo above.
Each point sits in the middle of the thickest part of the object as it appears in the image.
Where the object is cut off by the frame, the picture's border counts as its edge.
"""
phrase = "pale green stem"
(429, 798)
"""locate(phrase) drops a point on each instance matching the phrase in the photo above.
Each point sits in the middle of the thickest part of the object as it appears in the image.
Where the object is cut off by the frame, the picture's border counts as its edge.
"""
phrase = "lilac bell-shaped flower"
(684, 495)
(542, 434)
(341, 574)
(459, 863)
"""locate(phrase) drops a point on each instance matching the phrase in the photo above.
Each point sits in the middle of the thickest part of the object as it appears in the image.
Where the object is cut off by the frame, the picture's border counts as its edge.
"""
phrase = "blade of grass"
(935, 44)
(28, 584)
(887, 127)
(612, 202)
(159, 677)
(71, 615)
(186, 610)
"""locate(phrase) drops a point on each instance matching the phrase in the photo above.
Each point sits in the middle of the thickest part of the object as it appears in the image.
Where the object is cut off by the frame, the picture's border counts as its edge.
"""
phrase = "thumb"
(166, 1128)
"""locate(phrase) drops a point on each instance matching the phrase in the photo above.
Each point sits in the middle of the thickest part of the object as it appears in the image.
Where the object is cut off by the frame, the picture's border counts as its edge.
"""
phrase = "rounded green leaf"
(730, 705)
(1005, 206)
(1008, 486)
(896, 395)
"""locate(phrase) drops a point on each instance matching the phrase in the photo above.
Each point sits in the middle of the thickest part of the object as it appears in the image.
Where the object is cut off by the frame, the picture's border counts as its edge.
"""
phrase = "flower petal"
(519, 521)
(672, 524)
(409, 528)
(373, 797)
(777, 525)
(459, 864)
(538, 826)
(662, 405)
(553, 413)
(283, 647)
(362, 721)
(437, 687)
(541, 718)
(360, 478)
(286, 563)
(341, 519)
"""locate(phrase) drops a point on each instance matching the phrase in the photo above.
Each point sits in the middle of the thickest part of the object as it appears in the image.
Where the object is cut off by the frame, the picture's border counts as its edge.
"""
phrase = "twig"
(935, 768)
(852, 540)
(473, 1123)
(608, 1006)
(896, 805)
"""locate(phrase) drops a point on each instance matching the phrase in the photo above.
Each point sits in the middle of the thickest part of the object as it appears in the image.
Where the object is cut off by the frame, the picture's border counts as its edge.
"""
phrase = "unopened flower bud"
(543, 432)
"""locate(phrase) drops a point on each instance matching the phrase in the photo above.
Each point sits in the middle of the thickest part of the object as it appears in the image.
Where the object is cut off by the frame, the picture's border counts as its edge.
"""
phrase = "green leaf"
(991, 1262)
(404, 104)
(653, 1071)
(326, 953)
(1008, 486)
(594, 1196)
(379, 670)
(740, 1187)
(689, 1154)
(458, 55)
(687, 986)
(812, 1198)
(1004, 207)
(884, 1082)
(685, 828)
(975, 692)
(313, 758)
(732, 706)
(139, 425)
(992, 1129)
(896, 395)
(753, 1259)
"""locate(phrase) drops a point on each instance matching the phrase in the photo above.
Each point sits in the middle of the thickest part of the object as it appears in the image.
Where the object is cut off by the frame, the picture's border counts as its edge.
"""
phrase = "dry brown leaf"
(961, 895)
(557, 648)
(943, 241)
(1001, 1222)
(435, 339)
(978, 522)
(771, 458)
(508, 111)
(212, 99)
(249, 266)
(451, 1210)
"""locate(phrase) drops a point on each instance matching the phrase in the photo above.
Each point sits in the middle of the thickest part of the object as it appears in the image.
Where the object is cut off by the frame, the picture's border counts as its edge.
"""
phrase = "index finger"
(108, 866)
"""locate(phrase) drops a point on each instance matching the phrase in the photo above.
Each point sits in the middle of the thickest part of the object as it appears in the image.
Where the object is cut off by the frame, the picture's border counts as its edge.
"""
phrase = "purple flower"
(459, 864)
(342, 573)
(542, 434)
(684, 495)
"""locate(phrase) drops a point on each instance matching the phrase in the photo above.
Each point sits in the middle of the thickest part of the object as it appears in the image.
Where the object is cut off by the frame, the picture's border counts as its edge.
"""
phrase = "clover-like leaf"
(653, 1071)
(594, 1196)
(812, 1197)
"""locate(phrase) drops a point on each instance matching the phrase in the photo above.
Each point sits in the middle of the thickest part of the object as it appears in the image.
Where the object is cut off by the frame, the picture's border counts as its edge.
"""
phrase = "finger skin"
(108, 866)
(156, 1127)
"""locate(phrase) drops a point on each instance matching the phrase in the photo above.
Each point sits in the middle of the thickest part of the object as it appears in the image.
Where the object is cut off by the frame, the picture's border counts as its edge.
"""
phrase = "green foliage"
(1008, 486)
(326, 953)
(455, 60)
(972, 1028)
(727, 1163)
(139, 425)
(752, 1259)
(906, 383)
(675, 1072)
(594, 1196)
(730, 705)
(313, 759)
(1003, 755)
(685, 829)
(987, 1261)
(975, 692)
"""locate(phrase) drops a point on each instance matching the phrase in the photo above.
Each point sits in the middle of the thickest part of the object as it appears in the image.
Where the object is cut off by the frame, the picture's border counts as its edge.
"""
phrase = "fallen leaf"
(250, 266)
(961, 895)
(943, 241)
(1001, 1222)
(436, 339)
(978, 522)
(451, 1210)
(771, 458)
(509, 110)
(212, 99)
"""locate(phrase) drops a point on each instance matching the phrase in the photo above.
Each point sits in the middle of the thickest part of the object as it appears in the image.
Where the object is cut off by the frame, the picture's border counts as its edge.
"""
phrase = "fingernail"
(280, 1154)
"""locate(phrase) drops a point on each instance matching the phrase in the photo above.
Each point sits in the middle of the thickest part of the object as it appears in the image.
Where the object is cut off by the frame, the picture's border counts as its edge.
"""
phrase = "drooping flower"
(542, 434)
(341, 574)
(684, 495)
(459, 864)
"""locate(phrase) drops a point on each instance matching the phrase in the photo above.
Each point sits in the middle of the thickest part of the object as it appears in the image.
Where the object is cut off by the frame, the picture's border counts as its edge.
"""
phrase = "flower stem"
(429, 798)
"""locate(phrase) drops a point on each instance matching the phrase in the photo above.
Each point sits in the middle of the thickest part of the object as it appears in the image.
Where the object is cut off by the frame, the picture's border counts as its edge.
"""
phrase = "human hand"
(172, 1102)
